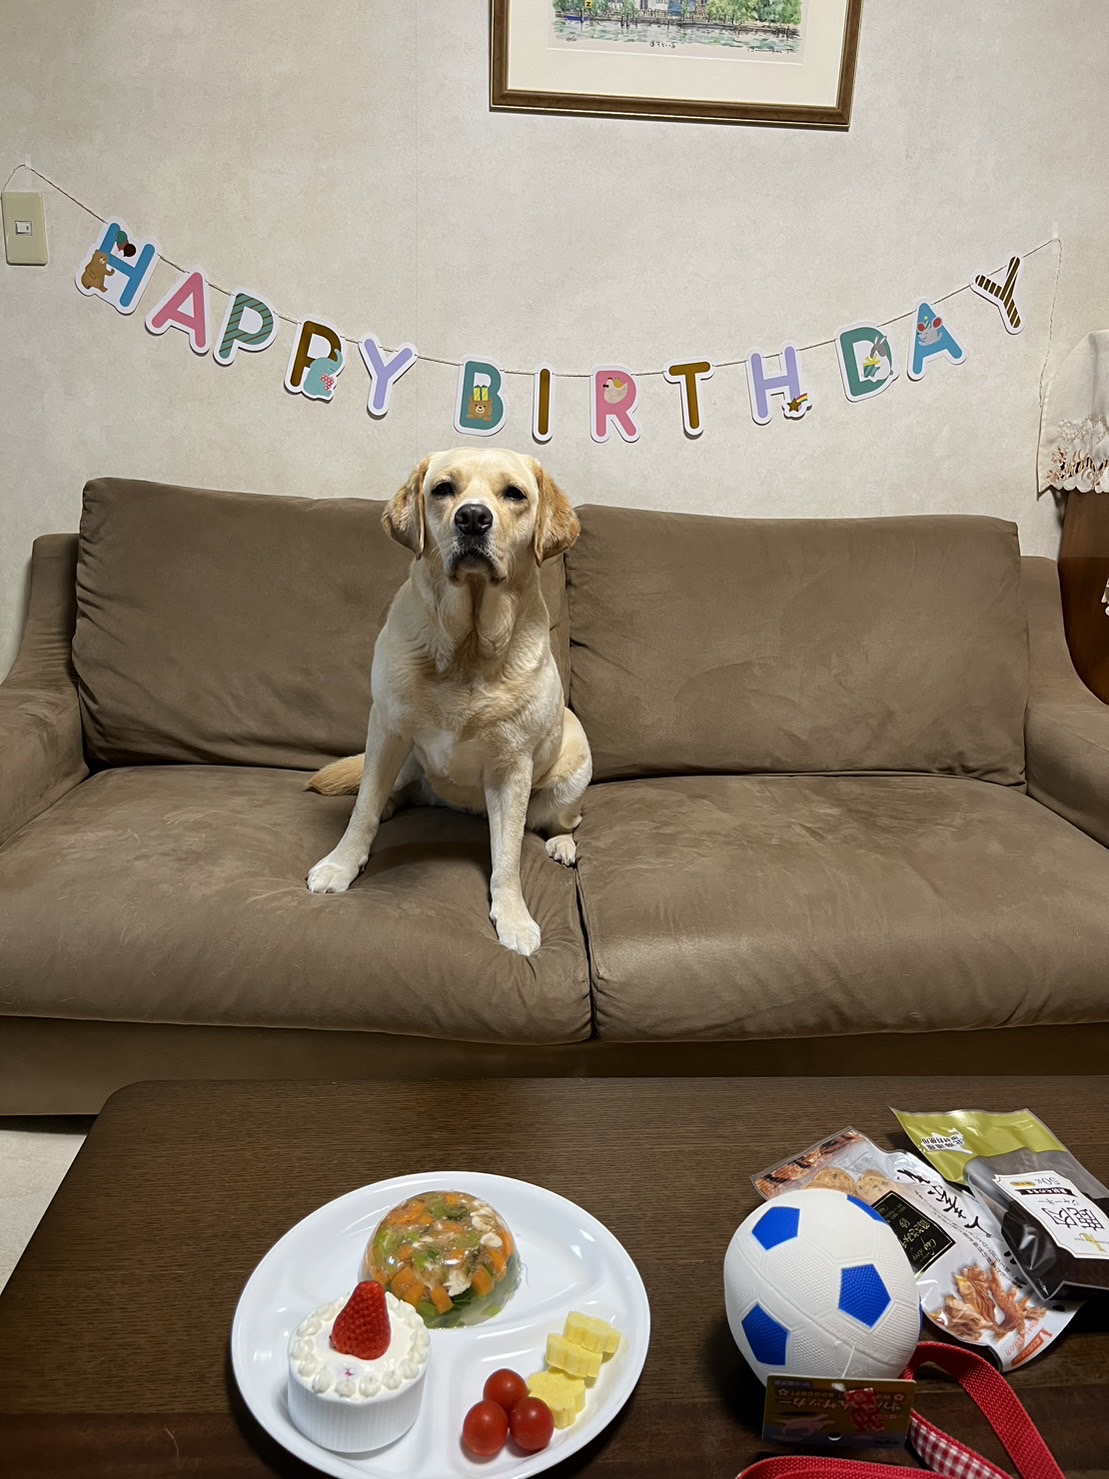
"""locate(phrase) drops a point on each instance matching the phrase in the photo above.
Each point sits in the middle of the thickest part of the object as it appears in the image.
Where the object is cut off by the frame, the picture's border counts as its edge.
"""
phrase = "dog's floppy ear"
(404, 513)
(556, 523)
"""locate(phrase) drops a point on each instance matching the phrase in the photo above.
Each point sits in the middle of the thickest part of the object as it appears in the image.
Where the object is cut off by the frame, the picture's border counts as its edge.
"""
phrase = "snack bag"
(969, 1282)
(1054, 1215)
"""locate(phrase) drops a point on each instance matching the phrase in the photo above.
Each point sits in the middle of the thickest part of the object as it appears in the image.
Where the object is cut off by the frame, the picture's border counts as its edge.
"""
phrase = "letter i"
(542, 404)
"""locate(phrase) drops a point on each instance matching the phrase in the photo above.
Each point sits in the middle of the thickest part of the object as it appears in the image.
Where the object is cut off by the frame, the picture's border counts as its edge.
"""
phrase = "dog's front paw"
(563, 849)
(331, 877)
(516, 929)
(523, 937)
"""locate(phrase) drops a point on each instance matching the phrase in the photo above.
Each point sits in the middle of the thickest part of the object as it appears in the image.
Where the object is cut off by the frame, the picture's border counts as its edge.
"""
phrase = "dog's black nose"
(473, 518)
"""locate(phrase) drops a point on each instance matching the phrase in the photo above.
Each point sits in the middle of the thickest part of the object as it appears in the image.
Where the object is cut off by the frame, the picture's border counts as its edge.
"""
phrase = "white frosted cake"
(349, 1404)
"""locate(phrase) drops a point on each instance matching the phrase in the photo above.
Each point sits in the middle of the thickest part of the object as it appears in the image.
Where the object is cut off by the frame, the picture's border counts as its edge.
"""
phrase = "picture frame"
(785, 63)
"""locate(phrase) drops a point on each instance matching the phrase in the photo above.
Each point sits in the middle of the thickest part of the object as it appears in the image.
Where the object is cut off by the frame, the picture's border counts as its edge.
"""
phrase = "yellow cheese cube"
(592, 1334)
(575, 1360)
(564, 1395)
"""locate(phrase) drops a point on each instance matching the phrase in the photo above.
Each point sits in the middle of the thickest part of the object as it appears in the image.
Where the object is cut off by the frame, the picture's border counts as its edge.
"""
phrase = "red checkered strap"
(943, 1454)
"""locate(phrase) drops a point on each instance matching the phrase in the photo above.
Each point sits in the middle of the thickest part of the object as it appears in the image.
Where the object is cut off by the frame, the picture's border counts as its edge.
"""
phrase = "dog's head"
(482, 512)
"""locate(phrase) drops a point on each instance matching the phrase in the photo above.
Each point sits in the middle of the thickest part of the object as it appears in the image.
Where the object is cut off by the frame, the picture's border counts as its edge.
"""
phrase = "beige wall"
(340, 158)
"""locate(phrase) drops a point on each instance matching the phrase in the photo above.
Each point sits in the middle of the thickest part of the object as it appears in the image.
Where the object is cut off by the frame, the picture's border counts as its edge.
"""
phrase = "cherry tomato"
(505, 1388)
(531, 1424)
(484, 1429)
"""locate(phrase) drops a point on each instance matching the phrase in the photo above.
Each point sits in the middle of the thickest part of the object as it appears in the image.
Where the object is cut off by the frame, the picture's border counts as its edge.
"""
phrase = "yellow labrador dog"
(467, 701)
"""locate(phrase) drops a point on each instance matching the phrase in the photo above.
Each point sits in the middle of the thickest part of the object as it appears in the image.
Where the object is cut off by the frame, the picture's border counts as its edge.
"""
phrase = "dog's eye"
(442, 490)
(514, 494)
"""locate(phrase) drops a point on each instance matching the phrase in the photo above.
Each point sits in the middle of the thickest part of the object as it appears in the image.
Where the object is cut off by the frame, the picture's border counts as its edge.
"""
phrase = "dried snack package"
(1053, 1213)
(969, 1282)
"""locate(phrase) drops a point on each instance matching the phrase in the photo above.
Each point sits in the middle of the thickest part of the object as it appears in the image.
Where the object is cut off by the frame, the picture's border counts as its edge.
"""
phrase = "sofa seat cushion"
(177, 894)
(778, 906)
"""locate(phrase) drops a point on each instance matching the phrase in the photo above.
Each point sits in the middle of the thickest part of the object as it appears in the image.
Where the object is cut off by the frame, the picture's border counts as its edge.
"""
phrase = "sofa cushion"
(177, 894)
(235, 628)
(778, 906)
(793, 645)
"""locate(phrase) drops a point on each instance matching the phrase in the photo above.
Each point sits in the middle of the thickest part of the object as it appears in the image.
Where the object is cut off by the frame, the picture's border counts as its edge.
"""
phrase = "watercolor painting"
(783, 63)
(765, 30)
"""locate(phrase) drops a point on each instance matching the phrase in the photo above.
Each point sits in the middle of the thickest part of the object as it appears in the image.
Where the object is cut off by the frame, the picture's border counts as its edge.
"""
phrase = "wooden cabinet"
(1084, 581)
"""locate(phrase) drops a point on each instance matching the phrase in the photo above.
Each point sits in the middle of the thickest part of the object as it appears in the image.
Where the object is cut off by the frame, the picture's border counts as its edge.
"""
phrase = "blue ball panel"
(776, 1225)
(862, 1295)
(862, 1206)
(766, 1337)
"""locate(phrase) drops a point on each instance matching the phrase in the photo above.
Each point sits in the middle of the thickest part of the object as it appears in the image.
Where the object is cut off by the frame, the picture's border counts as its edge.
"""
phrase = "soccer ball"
(817, 1284)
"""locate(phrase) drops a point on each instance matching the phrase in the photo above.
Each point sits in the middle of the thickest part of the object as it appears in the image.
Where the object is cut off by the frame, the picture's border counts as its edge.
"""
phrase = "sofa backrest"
(234, 628)
(703, 644)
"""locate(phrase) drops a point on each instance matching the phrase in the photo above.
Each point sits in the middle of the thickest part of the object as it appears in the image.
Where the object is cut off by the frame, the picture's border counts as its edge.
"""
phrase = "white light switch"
(24, 228)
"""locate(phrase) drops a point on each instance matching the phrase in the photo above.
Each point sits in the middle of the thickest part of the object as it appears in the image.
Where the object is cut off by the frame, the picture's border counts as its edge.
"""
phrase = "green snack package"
(1054, 1215)
(950, 1139)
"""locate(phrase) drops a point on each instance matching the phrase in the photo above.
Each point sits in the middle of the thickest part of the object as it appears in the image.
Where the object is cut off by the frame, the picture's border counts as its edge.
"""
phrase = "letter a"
(184, 307)
(931, 337)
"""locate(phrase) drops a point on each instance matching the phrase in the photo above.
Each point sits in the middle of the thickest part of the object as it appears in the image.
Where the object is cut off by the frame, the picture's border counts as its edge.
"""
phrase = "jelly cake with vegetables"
(448, 1254)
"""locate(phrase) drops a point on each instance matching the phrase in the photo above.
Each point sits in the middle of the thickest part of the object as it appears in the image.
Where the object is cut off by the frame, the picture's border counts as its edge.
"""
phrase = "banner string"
(1053, 240)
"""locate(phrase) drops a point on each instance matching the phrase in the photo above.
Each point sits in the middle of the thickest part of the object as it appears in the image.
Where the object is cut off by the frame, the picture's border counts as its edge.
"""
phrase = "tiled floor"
(34, 1156)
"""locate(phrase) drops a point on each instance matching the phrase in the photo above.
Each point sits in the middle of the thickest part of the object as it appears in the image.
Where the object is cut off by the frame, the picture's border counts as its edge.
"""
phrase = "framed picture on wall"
(786, 62)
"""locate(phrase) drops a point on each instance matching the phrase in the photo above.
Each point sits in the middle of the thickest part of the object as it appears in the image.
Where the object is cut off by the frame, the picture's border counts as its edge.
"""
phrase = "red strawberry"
(362, 1326)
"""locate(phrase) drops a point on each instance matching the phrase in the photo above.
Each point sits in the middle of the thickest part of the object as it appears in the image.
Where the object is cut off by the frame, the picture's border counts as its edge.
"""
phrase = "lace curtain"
(1074, 430)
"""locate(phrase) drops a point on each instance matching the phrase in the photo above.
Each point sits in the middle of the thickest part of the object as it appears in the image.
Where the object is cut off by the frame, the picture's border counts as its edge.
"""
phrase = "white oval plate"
(570, 1262)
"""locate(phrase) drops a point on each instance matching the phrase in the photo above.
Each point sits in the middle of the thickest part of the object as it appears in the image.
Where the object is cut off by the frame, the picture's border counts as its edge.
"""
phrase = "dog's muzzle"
(471, 555)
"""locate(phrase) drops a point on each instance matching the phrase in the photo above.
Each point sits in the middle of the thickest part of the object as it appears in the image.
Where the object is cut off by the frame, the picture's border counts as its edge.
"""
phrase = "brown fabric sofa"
(850, 810)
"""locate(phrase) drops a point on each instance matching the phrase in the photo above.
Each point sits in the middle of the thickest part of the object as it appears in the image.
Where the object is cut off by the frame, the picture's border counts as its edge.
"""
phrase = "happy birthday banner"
(118, 267)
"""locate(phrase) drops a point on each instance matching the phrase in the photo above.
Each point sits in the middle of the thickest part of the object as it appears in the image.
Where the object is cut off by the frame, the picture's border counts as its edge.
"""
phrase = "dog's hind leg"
(555, 806)
(408, 789)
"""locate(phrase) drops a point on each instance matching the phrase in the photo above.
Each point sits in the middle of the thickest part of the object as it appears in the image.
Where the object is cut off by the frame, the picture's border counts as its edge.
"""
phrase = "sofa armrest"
(1066, 727)
(41, 755)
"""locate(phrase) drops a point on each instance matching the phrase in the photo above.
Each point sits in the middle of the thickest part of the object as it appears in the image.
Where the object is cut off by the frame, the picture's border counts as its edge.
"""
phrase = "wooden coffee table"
(114, 1327)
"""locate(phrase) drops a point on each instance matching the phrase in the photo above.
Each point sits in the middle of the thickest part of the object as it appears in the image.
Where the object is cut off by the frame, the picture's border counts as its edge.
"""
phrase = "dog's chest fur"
(473, 692)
